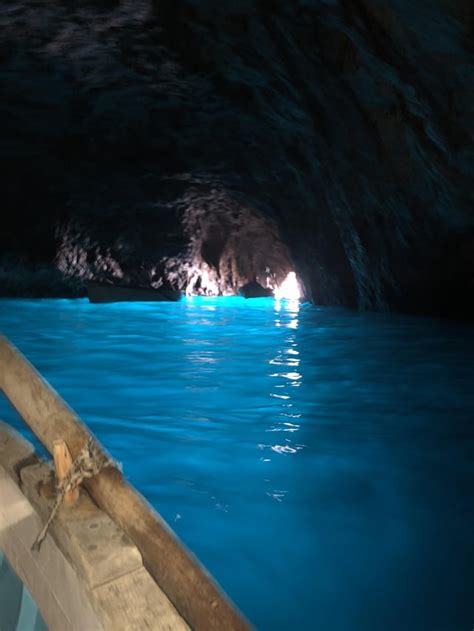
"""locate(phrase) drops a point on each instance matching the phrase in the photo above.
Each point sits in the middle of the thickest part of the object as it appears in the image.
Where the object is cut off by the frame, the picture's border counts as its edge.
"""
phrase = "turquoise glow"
(317, 461)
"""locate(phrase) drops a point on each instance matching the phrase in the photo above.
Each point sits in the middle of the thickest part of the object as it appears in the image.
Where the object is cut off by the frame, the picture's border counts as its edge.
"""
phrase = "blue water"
(18, 611)
(319, 462)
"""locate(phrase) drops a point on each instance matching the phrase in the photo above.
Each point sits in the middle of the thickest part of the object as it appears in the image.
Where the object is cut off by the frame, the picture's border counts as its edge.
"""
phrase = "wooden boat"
(109, 560)
(18, 611)
(253, 289)
(105, 292)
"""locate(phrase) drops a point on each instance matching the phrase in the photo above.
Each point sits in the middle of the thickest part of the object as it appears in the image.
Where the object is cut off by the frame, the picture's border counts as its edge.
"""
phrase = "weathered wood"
(139, 604)
(110, 587)
(53, 583)
(51, 580)
(97, 548)
(62, 464)
(193, 592)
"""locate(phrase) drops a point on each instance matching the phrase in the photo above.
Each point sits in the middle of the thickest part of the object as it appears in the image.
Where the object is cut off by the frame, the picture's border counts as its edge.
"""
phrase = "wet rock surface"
(205, 144)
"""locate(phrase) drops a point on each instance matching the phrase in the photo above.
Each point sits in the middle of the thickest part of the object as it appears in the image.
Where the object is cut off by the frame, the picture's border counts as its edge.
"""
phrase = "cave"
(150, 141)
(274, 203)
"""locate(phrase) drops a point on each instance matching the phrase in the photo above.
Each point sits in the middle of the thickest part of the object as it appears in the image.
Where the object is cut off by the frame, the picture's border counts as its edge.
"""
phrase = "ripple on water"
(318, 461)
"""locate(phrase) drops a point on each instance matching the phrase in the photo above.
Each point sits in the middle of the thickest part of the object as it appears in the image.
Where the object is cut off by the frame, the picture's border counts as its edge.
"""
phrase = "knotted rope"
(89, 462)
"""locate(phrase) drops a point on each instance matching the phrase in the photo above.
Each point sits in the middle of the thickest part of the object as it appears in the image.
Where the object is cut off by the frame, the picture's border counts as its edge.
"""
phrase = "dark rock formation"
(253, 289)
(206, 142)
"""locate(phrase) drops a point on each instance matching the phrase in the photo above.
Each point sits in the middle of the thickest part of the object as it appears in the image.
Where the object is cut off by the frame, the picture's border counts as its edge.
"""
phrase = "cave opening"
(227, 249)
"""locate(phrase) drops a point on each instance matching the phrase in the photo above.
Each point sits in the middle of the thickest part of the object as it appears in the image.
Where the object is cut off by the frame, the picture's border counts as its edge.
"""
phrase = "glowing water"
(318, 461)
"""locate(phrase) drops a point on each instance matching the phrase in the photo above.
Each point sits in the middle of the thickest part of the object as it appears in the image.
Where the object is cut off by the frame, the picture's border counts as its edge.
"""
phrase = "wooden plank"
(97, 548)
(62, 464)
(186, 583)
(138, 604)
(52, 582)
(11, 591)
(108, 569)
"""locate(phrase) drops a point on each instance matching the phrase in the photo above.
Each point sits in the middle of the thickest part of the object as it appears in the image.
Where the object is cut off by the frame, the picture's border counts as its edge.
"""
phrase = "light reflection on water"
(318, 461)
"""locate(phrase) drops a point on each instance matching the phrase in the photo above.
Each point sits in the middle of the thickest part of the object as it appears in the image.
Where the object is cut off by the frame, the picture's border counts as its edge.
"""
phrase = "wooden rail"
(16, 606)
(186, 583)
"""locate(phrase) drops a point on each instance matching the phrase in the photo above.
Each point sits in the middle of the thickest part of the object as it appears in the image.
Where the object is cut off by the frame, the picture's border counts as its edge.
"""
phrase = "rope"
(89, 462)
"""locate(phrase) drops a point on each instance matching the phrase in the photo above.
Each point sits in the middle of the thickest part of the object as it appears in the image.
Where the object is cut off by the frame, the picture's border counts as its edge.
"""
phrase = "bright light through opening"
(289, 289)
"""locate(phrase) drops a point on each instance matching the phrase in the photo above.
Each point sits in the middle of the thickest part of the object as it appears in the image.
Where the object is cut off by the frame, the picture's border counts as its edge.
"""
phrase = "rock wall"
(206, 143)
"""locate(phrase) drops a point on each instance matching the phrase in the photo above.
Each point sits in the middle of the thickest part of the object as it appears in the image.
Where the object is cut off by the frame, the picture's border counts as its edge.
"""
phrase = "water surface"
(319, 462)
